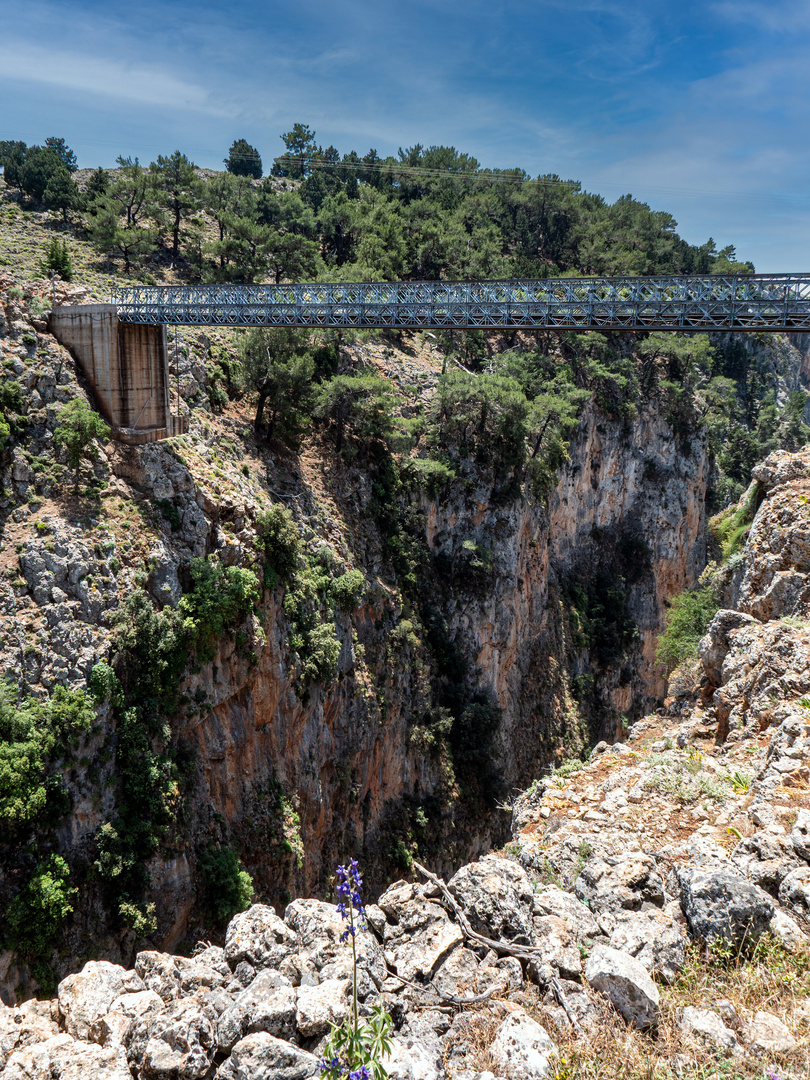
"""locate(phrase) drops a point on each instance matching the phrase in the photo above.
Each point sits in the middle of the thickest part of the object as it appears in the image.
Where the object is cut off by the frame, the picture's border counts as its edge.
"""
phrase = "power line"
(483, 176)
(388, 165)
(487, 176)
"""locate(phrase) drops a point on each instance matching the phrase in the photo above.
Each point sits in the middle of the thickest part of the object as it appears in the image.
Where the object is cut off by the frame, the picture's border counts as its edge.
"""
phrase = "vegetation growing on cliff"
(731, 526)
(151, 767)
(688, 619)
(78, 430)
(228, 887)
(380, 430)
(34, 737)
(36, 740)
(430, 212)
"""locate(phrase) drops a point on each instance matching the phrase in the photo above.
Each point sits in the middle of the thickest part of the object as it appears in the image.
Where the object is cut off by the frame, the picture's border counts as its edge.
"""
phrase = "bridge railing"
(771, 302)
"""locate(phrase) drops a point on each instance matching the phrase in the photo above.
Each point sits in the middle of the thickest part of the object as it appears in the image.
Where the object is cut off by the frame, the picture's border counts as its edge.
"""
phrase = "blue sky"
(699, 108)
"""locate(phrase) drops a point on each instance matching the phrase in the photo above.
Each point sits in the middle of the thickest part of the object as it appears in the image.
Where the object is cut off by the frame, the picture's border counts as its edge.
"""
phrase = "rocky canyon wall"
(549, 603)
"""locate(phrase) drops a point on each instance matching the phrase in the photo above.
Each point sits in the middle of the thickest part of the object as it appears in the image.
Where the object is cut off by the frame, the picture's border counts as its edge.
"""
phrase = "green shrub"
(684, 785)
(277, 536)
(78, 429)
(347, 589)
(153, 648)
(170, 512)
(138, 916)
(688, 619)
(320, 653)
(401, 855)
(429, 474)
(403, 636)
(32, 735)
(57, 257)
(731, 526)
(569, 767)
(38, 307)
(36, 912)
(222, 597)
(227, 889)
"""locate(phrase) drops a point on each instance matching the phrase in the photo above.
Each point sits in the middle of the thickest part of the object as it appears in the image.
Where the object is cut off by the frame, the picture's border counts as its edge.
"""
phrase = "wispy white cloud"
(65, 70)
(785, 17)
(700, 108)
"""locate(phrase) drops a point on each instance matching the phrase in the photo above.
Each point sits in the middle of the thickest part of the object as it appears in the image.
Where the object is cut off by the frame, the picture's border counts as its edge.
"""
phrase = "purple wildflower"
(349, 889)
(360, 1074)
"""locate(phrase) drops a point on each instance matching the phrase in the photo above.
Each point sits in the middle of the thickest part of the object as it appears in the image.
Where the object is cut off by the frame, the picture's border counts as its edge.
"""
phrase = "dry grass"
(773, 981)
(468, 1046)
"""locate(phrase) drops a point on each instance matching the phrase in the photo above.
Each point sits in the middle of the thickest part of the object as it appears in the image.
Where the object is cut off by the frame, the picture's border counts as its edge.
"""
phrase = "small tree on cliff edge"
(78, 429)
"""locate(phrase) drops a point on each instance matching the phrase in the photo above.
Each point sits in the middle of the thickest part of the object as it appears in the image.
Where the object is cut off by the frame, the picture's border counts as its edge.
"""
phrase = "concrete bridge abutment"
(127, 366)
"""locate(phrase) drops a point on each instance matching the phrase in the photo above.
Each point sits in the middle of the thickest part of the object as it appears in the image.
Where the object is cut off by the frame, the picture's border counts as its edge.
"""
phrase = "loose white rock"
(67, 1059)
(264, 1057)
(523, 1048)
(318, 1007)
(87, 995)
(258, 936)
(624, 981)
(707, 1027)
(800, 834)
(794, 892)
(268, 1004)
(414, 1059)
(766, 1034)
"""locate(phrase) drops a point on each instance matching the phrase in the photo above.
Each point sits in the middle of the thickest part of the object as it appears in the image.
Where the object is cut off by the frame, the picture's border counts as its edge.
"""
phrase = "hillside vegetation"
(430, 213)
(339, 518)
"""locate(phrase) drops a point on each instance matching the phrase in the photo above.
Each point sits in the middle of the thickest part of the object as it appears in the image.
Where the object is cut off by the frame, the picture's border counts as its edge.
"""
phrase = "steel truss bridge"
(752, 302)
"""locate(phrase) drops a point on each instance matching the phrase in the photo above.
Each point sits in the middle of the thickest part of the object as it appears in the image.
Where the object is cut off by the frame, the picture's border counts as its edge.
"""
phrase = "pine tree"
(116, 218)
(244, 160)
(39, 166)
(277, 365)
(63, 151)
(175, 183)
(77, 430)
(61, 193)
(300, 143)
(57, 257)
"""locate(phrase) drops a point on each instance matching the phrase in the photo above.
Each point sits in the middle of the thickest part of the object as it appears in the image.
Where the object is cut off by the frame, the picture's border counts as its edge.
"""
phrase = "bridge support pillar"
(127, 367)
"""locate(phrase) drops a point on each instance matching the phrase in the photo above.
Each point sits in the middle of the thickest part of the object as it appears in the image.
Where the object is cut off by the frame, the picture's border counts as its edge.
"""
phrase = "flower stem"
(354, 967)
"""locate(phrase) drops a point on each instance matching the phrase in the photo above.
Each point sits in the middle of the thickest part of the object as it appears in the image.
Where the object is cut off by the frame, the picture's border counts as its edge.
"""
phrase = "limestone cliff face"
(314, 773)
(625, 524)
(297, 780)
(553, 605)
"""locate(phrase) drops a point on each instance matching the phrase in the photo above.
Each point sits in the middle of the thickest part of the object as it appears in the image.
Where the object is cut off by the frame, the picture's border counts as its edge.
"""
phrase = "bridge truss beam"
(750, 302)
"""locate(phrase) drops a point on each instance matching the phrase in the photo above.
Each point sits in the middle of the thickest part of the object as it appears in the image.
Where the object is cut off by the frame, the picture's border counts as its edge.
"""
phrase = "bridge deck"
(753, 302)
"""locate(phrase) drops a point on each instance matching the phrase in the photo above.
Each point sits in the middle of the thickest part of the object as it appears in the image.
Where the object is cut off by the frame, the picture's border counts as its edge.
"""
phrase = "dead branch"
(521, 952)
